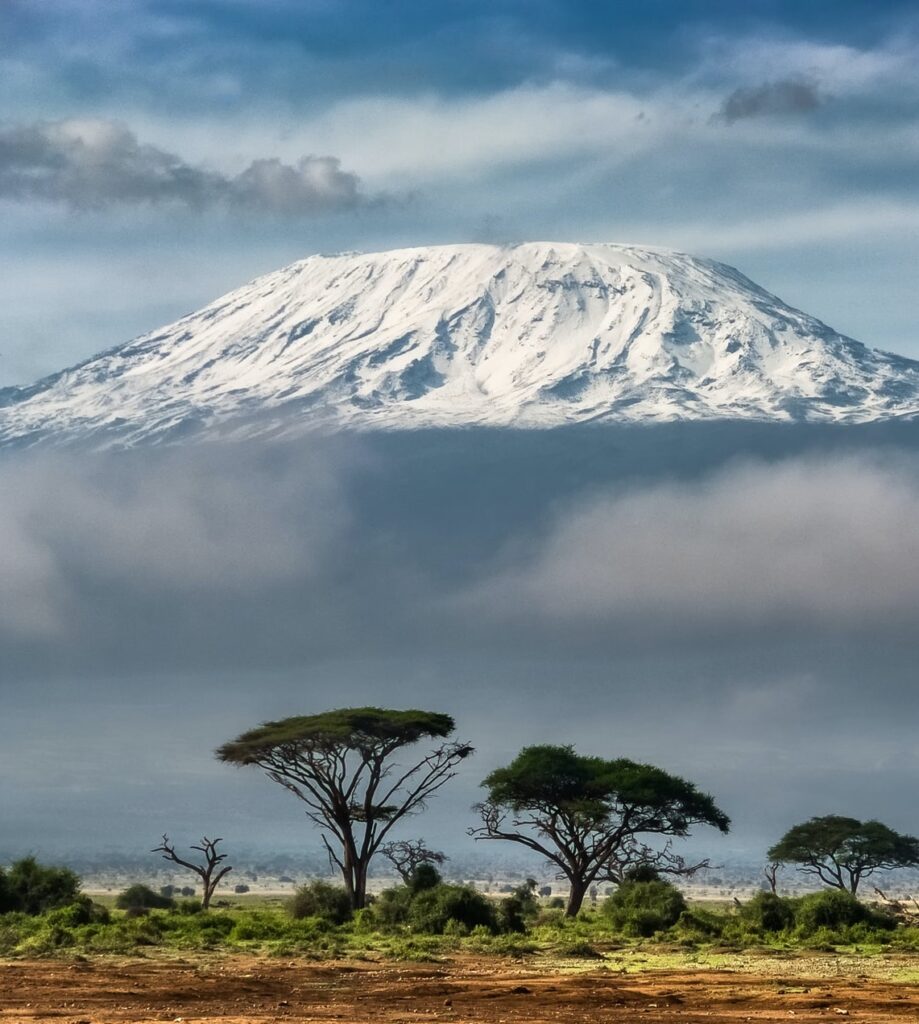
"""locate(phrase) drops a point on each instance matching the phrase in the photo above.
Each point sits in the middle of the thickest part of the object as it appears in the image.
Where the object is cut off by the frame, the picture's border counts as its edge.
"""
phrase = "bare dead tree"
(771, 871)
(633, 854)
(407, 855)
(210, 872)
(901, 910)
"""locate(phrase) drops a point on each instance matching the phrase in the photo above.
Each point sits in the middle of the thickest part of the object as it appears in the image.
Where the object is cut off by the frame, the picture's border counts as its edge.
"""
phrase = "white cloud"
(839, 69)
(433, 135)
(807, 543)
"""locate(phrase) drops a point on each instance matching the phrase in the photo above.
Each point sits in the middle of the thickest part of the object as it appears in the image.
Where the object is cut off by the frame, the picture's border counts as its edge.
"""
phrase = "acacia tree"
(842, 851)
(590, 817)
(210, 872)
(407, 855)
(342, 765)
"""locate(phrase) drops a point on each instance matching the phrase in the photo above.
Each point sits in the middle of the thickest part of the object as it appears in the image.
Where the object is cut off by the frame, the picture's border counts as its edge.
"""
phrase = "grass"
(703, 937)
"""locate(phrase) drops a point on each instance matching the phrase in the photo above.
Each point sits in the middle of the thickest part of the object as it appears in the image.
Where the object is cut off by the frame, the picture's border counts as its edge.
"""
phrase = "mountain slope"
(531, 335)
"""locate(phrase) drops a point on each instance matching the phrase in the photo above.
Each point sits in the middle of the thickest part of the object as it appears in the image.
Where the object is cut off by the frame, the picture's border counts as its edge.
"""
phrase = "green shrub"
(320, 899)
(768, 912)
(254, 927)
(141, 897)
(701, 924)
(432, 909)
(391, 908)
(83, 911)
(551, 917)
(521, 906)
(833, 909)
(425, 876)
(642, 873)
(31, 888)
(455, 929)
(643, 908)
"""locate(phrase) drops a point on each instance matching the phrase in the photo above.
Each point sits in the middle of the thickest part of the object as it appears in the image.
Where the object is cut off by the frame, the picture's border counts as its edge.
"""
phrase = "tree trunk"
(575, 897)
(359, 900)
(354, 875)
(347, 874)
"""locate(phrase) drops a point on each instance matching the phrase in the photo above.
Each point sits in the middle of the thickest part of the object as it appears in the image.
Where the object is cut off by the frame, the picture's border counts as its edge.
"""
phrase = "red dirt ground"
(244, 990)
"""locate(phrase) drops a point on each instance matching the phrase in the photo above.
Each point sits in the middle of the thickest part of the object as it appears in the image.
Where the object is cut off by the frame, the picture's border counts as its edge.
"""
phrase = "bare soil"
(242, 990)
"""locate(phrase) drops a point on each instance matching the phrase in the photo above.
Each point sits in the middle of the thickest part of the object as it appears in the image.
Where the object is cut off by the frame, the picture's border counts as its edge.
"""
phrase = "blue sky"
(154, 154)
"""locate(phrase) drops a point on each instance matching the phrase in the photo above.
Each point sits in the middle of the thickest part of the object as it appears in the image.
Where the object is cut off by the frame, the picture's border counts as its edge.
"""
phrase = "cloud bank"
(751, 623)
(806, 544)
(95, 164)
(324, 550)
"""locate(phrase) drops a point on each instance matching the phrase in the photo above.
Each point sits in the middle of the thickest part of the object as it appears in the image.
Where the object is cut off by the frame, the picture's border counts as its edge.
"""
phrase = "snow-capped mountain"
(530, 335)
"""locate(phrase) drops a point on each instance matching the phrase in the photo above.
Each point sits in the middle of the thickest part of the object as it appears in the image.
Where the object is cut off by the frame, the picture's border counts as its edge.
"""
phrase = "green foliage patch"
(644, 908)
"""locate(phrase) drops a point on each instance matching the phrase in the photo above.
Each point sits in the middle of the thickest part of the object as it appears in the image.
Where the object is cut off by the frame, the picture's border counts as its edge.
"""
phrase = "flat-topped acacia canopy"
(343, 765)
(589, 816)
(558, 776)
(349, 728)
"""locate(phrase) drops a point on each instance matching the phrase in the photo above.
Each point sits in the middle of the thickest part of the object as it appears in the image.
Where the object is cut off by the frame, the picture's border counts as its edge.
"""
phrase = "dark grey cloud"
(92, 164)
(787, 96)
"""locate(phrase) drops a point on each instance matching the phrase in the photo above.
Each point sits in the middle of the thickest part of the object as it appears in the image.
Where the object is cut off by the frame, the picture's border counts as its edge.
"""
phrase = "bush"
(832, 909)
(643, 908)
(768, 912)
(432, 909)
(642, 873)
(241, 888)
(392, 906)
(835, 910)
(83, 911)
(142, 897)
(425, 876)
(31, 888)
(701, 924)
(320, 899)
(515, 910)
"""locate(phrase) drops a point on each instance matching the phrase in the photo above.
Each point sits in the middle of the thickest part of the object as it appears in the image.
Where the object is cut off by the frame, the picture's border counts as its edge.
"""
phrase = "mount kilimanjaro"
(533, 335)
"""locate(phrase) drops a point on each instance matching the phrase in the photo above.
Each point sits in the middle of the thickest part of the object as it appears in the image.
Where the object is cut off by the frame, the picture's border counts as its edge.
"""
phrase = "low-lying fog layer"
(738, 604)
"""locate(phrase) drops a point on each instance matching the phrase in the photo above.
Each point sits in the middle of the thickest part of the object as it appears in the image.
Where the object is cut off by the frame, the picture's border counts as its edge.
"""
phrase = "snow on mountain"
(530, 335)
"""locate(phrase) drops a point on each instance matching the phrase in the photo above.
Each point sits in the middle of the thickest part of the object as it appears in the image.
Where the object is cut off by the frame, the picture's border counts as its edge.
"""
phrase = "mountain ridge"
(532, 335)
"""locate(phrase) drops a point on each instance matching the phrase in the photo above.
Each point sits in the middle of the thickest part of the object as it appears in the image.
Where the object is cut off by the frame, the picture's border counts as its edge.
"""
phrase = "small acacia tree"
(842, 851)
(342, 765)
(407, 855)
(210, 872)
(589, 817)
